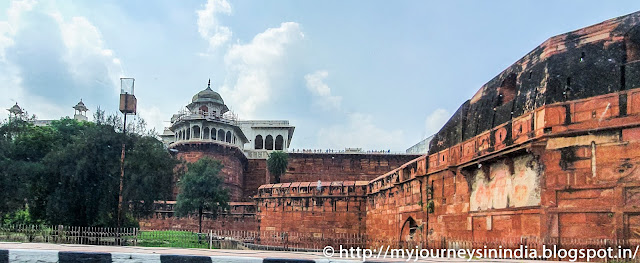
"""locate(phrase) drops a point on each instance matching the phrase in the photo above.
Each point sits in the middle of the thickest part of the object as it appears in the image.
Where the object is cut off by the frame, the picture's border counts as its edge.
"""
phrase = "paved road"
(23, 252)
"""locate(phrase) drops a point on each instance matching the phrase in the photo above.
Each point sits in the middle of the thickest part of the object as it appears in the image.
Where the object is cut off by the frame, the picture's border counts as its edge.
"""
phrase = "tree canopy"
(202, 189)
(68, 172)
(277, 164)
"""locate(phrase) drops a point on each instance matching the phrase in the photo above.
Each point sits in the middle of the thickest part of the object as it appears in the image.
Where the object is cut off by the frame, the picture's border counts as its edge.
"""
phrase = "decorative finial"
(209, 84)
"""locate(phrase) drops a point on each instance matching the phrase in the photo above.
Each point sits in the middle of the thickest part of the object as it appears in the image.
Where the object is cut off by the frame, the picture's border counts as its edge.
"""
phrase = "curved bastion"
(547, 149)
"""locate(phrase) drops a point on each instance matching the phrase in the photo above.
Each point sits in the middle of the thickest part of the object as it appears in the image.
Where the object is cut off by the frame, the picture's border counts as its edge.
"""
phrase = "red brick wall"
(569, 182)
(233, 160)
(311, 167)
(254, 177)
(601, 200)
(334, 211)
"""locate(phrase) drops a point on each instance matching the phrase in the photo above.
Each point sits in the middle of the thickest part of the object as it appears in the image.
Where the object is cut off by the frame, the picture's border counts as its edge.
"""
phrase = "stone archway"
(408, 232)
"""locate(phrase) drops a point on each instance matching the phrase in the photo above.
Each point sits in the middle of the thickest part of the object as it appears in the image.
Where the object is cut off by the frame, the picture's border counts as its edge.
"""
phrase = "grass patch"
(179, 239)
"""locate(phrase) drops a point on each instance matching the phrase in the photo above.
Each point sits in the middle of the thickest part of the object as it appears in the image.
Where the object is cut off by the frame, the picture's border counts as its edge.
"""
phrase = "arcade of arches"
(269, 143)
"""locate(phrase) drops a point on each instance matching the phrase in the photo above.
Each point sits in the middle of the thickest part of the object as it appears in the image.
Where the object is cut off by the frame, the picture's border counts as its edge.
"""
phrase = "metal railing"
(204, 115)
(293, 241)
(69, 235)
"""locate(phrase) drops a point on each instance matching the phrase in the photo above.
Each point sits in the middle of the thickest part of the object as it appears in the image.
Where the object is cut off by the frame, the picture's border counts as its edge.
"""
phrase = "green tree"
(149, 172)
(22, 147)
(68, 172)
(277, 164)
(201, 189)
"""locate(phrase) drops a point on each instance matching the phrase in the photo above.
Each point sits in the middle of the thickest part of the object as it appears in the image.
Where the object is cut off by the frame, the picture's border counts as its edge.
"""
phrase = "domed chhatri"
(206, 119)
(208, 95)
(16, 110)
(80, 106)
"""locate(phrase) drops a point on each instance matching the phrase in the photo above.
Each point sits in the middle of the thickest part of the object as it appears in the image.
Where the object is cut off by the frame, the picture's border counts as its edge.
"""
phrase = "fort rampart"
(549, 148)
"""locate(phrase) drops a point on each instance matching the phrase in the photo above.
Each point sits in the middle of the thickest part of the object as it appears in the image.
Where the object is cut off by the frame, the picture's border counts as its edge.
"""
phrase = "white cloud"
(48, 62)
(86, 52)
(360, 132)
(208, 25)
(153, 116)
(253, 67)
(321, 91)
(435, 121)
(9, 28)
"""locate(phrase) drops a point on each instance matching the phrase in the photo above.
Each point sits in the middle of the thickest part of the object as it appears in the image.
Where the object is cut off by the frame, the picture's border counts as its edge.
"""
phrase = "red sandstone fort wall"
(254, 177)
(546, 149)
(241, 217)
(311, 167)
(234, 164)
(336, 209)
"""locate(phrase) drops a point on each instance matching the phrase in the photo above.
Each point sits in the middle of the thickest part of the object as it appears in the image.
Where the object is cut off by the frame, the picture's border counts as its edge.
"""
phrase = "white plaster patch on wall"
(134, 258)
(508, 185)
(31, 255)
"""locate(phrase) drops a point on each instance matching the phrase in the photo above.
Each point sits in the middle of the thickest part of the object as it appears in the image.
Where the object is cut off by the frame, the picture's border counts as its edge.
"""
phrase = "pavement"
(11, 252)
(62, 253)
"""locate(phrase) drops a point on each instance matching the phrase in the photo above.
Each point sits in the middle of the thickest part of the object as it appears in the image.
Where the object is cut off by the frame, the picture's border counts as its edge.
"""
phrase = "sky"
(377, 75)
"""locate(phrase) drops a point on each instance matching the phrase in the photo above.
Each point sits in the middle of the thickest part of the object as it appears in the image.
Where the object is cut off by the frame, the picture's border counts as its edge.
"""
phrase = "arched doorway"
(408, 233)
(205, 133)
(228, 137)
(220, 135)
(196, 132)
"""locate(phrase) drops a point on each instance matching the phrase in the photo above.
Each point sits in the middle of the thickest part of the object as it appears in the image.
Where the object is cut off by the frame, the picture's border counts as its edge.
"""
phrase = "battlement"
(313, 189)
(311, 167)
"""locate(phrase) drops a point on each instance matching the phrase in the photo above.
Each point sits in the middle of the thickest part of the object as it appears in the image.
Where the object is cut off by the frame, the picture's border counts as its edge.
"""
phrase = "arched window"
(507, 91)
(228, 137)
(279, 142)
(205, 133)
(268, 142)
(221, 135)
(259, 144)
(213, 133)
(196, 132)
(188, 134)
(203, 109)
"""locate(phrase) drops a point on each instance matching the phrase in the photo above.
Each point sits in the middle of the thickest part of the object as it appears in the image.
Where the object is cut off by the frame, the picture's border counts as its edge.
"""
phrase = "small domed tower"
(15, 112)
(80, 112)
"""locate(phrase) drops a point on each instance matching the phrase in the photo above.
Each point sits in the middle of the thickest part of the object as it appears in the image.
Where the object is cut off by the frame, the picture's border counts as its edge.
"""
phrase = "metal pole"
(124, 133)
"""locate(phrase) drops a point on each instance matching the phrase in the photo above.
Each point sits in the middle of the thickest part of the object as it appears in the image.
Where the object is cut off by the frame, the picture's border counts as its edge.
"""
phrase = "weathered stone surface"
(231, 157)
(548, 148)
(311, 167)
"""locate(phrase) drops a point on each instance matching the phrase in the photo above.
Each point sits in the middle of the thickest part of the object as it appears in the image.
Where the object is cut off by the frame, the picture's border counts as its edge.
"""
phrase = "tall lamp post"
(128, 104)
